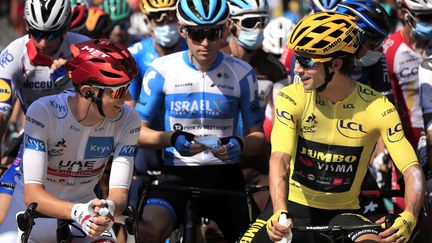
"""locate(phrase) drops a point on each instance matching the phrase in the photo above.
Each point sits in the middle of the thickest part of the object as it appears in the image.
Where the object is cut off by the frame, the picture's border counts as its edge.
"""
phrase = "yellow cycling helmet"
(148, 6)
(325, 35)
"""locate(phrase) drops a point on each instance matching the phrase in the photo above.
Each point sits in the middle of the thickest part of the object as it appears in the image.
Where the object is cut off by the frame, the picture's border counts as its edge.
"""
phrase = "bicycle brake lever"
(389, 220)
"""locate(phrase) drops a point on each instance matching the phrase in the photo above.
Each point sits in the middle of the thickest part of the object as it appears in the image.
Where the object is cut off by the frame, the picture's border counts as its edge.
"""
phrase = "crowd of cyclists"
(330, 98)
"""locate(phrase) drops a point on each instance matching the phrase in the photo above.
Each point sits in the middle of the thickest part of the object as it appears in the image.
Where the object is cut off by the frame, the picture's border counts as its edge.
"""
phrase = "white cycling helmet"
(240, 7)
(417, 7)
(47, 15)
(139, 24)
(276, 35)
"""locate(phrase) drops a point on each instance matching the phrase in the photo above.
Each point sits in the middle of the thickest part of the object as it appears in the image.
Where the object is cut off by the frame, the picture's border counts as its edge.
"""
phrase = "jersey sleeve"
(123, 161)
(10, 66)
(388, 121)
(425, 83)
(287, 113)
(36, 134)
(151, 95)
(135, 87)
(252, 114)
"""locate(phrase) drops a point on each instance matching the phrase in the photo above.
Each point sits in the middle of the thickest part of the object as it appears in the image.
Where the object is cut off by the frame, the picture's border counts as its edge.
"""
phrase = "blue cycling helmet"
(240, 7)
(371, 17)
(324, 5)
(202, 12)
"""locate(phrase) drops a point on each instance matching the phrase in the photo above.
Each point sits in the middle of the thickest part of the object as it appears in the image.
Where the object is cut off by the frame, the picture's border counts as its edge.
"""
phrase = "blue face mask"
(369, 59)
(166, 35)
(423, 30)
(251, 39)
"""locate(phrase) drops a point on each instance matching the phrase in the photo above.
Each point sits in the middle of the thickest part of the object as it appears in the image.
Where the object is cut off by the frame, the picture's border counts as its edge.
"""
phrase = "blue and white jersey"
(144, 52)
(201, 103)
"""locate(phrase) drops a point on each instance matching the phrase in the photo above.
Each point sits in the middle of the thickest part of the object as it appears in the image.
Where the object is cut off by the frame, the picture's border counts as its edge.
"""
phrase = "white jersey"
(20, 79)
(69, 158)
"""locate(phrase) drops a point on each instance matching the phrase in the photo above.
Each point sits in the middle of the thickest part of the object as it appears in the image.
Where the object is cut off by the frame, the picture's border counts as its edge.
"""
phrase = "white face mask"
(369, 59)
(166, 35)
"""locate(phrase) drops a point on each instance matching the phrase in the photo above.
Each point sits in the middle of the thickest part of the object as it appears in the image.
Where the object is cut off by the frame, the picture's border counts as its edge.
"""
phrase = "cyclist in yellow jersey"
(324, 133)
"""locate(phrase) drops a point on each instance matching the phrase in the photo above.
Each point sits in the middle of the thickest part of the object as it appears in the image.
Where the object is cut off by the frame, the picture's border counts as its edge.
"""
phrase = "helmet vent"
(110, 74)
(97, 60)
(321, 44)
(305, 41)
(336, 33)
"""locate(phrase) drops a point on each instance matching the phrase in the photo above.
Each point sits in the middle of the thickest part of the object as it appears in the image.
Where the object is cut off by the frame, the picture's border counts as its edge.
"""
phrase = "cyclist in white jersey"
(25, 65)
(69, 138)
(202, 91)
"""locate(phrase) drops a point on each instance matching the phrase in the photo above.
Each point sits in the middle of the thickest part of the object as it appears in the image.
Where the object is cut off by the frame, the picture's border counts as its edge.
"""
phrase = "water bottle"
(283, 220)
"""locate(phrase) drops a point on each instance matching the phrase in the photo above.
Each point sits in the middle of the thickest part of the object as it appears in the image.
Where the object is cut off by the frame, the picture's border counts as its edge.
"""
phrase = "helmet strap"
(328, 77)
(98, 101)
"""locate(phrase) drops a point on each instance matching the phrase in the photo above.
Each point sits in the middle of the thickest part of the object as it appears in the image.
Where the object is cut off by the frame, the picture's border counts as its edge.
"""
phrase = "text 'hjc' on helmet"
(240, 7)
(47, 15)
(325, 35)
(101, 62)
(118, 10)
(276, 35)
(371, 17)
(323, 5)
(148, 6)
(202, 12)
(79, 14)
(417, 7)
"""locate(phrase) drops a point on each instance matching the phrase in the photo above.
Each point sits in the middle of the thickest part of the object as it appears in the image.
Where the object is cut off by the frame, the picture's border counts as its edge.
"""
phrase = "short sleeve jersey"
(69, 158)
(201, 103)
(331, 144)
(20, 79)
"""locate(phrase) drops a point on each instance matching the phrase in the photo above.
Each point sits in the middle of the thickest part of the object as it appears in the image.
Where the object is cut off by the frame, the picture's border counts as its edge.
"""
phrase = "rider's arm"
(123, 161)
(403, 155)
(254, 141)
(153, 139)
(278, 179)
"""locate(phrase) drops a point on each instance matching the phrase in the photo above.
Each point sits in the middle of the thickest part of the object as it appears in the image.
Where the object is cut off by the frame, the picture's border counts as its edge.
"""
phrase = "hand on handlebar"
(275, 230)
(91, 223)
(400, 228)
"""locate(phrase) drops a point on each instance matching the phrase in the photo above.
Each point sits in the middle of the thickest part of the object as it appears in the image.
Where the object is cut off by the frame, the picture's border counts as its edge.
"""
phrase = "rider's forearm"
(414, 189)
(278, 179)
(254, 143)
(47, 204)
(119, 197)
(152, 139)
(3, 124)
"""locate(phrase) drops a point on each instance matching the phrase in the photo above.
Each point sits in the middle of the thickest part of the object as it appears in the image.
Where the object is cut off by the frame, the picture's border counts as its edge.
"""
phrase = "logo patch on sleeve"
(34, 144)
(127, 150)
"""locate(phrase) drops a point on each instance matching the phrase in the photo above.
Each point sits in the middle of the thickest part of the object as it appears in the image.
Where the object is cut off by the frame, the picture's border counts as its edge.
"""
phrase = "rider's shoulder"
(16, 46)
(141, 46)
(236, 63)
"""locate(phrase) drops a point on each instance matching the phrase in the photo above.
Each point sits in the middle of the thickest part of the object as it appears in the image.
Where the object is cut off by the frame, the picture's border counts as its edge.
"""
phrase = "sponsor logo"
(35, 122)
(57, 149)
(223, 75)
(282, 94)
(183, 85)
(74, 128)
(5, 58)
(320, 102)
(34, 144)
(76, 168)
(351, 129)
(127, 150)
(194, 106)
(284, 117)
(389, 111)
(177, 127)
(145, 83)
(395, 134)
(253, 229)
(222, 86)
(348, 106)
(5, 109)
(5, 90)
(308, 128)
(94, 52)
(324, 167)
(407, 72)
(134, 130)
(38, 84)
(333, 44)
(59, 108)
(99, 147)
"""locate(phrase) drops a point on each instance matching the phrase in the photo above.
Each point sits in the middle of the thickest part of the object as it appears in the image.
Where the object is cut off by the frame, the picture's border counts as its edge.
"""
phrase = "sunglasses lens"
(251, 23)
(120, 92)
(49, 35)
(305, 62)
(200, 34)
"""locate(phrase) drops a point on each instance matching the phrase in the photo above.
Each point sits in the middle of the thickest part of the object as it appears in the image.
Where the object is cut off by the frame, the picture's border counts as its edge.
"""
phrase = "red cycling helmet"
(101, 62)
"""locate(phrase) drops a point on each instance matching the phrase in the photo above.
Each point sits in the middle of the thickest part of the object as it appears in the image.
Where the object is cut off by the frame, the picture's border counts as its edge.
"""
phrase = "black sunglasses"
(49, 35)
(199, 34)
(305, 62)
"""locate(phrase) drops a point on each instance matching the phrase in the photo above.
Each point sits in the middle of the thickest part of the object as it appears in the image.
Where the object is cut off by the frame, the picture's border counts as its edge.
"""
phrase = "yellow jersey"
(331, 143)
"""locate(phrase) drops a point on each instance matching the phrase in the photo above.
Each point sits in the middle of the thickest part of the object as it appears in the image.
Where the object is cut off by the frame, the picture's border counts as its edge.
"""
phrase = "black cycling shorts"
(229, 212)
(308, 216)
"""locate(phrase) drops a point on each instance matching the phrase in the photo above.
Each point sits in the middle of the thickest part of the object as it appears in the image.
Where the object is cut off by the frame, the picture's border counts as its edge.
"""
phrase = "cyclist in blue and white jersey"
(165, 39)
(202, 92)
(25, 63)
(69, 139)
